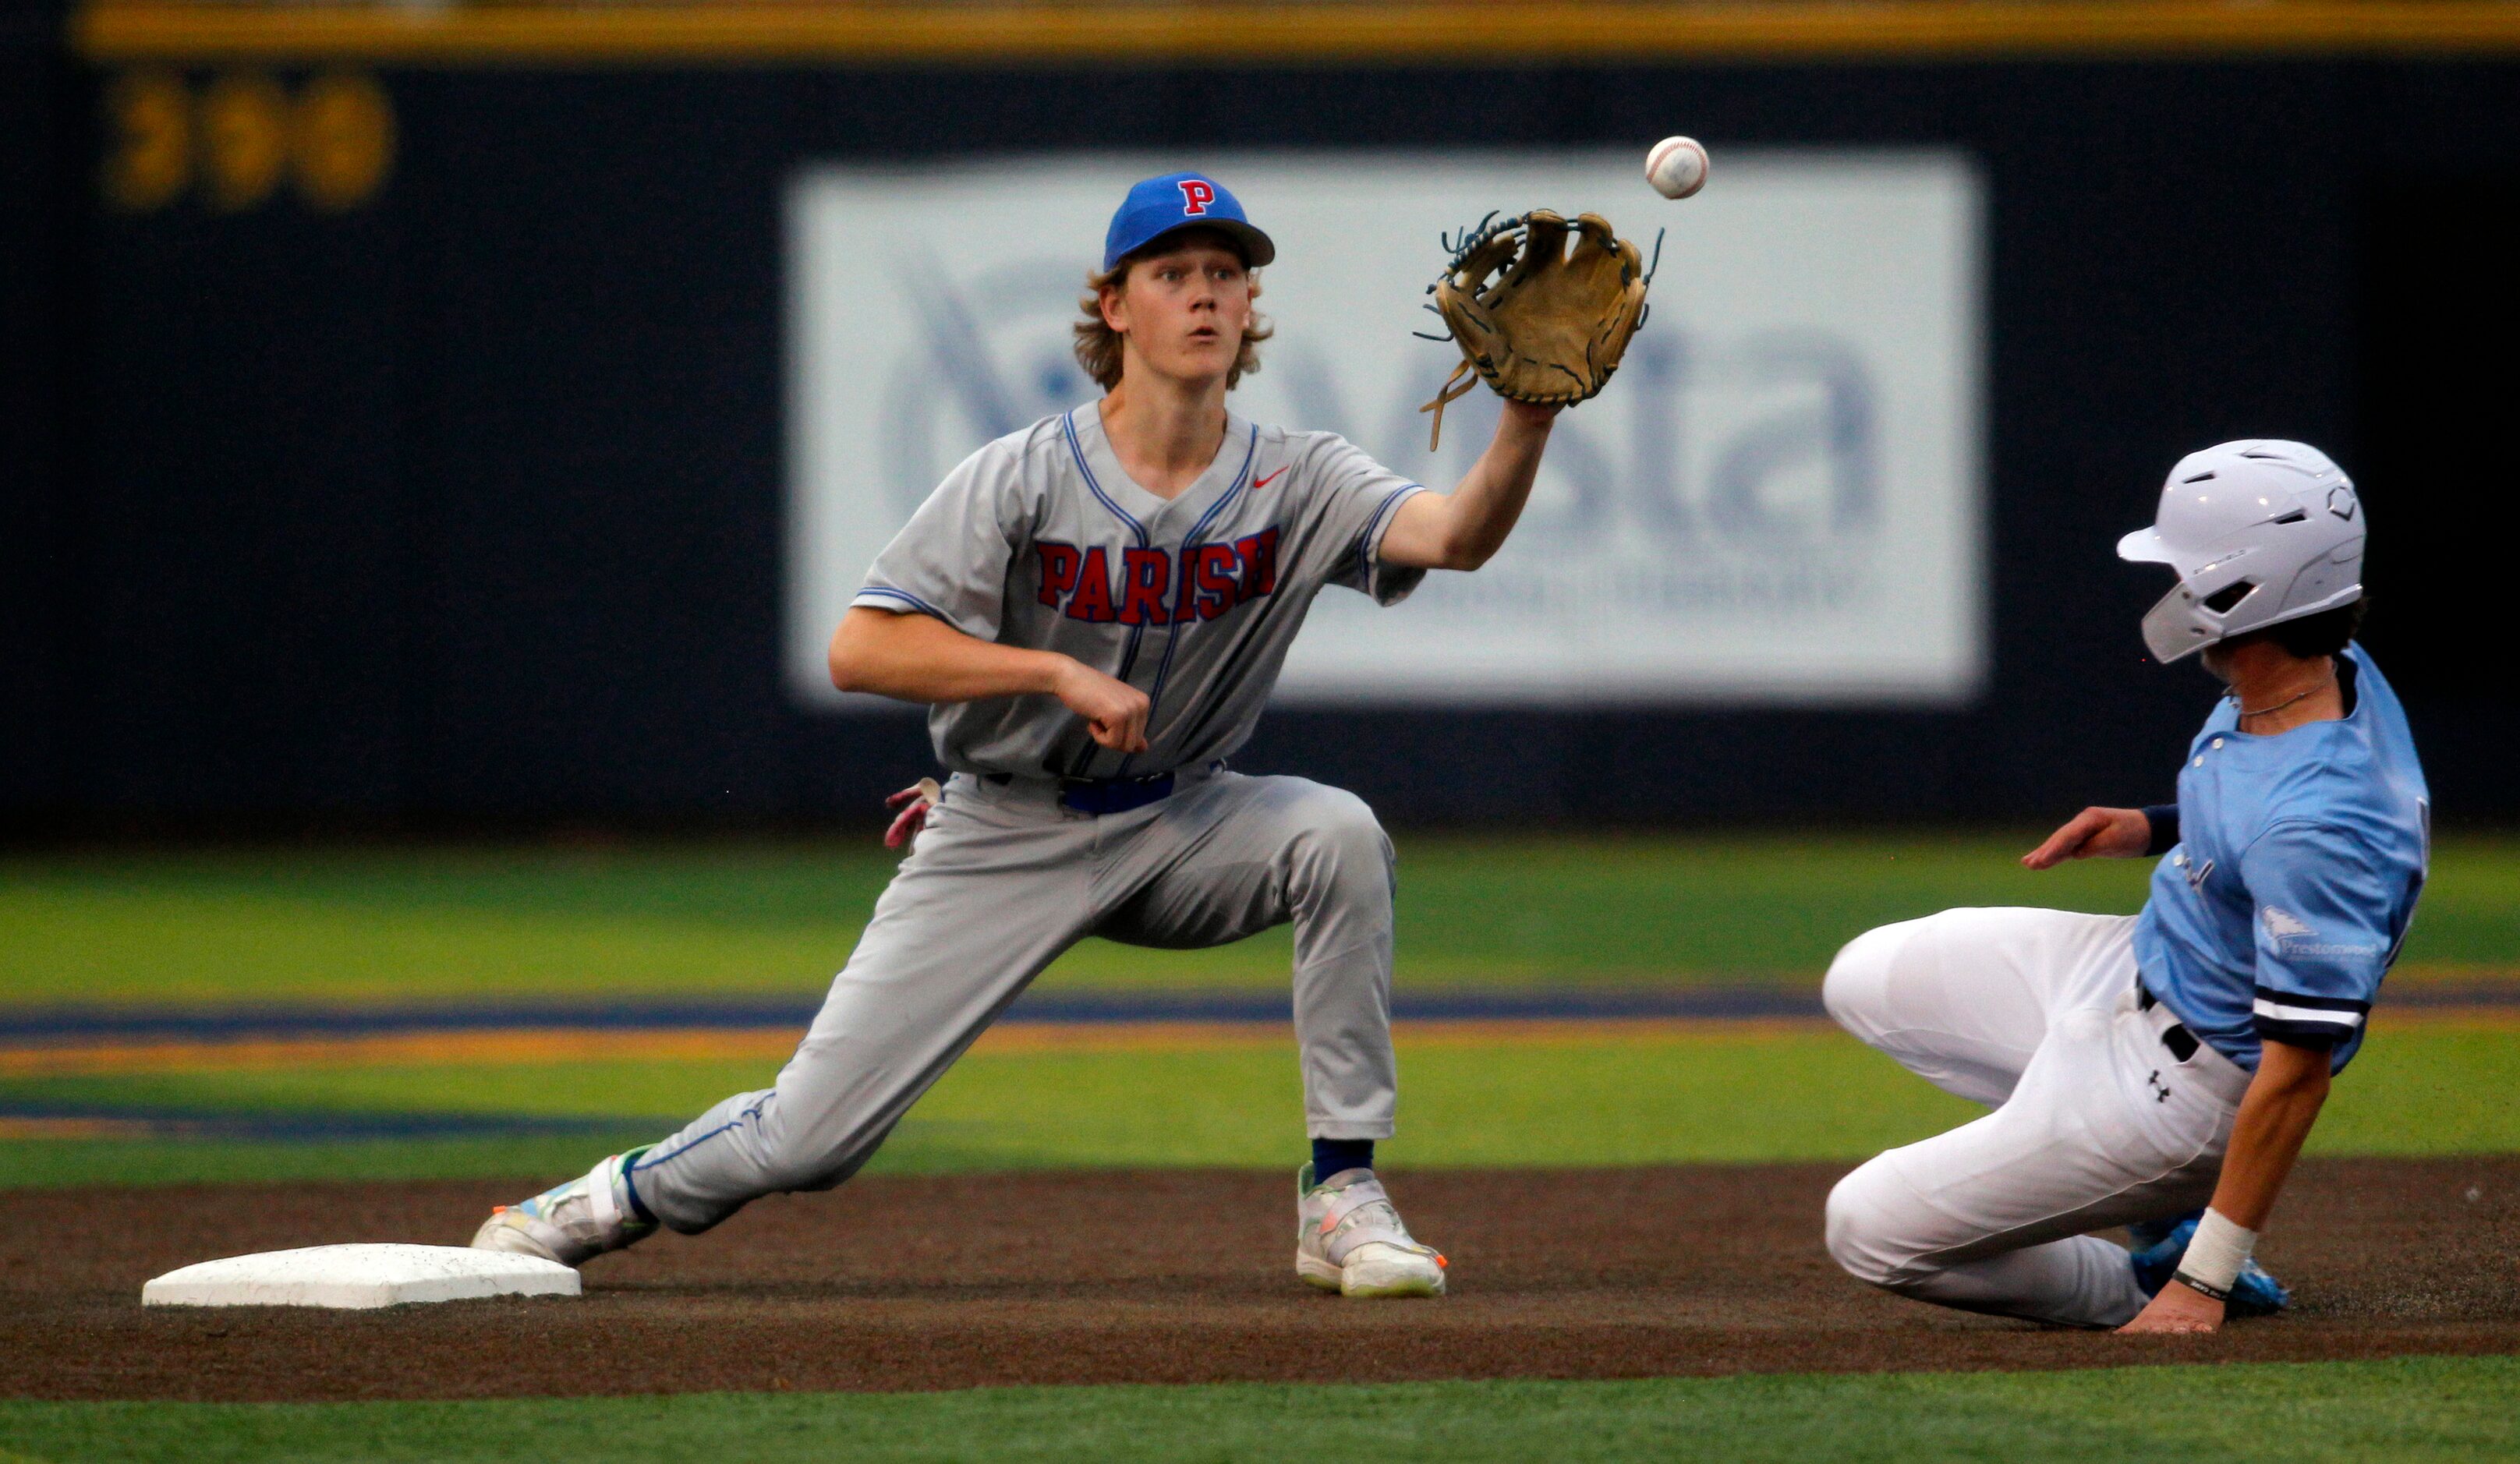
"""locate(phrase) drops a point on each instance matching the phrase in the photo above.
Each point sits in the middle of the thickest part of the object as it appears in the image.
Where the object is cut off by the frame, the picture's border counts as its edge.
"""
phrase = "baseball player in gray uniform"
(1095, 608)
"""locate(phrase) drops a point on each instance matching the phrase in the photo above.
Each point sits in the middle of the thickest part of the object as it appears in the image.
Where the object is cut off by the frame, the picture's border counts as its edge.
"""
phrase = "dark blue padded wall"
(464, 503)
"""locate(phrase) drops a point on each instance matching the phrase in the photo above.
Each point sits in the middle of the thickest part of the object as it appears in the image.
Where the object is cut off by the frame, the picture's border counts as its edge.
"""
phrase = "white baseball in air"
(1677, 166)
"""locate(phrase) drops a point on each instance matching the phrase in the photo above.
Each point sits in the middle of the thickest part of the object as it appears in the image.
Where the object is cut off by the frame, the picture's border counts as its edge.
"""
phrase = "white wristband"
(2216, 1255)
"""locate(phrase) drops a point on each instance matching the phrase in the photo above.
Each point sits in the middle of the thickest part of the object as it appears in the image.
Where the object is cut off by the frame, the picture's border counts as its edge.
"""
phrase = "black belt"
(2180, 1042)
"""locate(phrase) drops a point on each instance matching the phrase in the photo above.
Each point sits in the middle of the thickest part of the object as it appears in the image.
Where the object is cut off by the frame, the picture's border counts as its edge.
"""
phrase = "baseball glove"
(1534, 320)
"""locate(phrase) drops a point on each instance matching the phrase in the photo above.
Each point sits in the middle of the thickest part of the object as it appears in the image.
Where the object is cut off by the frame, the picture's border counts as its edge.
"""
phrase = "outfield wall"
(423, 448)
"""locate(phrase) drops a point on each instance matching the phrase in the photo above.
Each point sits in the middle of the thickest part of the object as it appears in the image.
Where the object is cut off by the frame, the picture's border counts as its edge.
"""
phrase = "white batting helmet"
(2261, 532)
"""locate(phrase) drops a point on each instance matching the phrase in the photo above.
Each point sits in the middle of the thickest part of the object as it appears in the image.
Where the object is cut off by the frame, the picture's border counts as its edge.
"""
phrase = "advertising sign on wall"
(1776, 502)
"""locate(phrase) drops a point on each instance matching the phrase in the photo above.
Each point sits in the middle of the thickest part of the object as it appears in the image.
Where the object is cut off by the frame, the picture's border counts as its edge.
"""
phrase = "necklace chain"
(2246, 714)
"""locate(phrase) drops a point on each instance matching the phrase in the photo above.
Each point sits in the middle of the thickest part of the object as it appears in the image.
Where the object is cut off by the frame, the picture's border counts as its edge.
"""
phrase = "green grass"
(678, 920)
(2420, 1408)
(1754, 1095)
(658, 920)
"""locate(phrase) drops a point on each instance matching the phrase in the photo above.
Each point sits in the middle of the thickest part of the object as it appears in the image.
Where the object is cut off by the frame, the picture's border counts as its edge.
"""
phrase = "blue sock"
(1336, 1156)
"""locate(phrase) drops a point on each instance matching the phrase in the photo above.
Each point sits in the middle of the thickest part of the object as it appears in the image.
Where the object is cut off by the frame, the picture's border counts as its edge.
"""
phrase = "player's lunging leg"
(1252, 852)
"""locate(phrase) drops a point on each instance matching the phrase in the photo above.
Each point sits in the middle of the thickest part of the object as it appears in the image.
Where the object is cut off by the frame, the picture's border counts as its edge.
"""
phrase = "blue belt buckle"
(1099, 796)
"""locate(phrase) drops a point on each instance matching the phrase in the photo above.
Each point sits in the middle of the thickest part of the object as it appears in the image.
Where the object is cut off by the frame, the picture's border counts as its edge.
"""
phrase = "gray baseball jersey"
(1040, 540)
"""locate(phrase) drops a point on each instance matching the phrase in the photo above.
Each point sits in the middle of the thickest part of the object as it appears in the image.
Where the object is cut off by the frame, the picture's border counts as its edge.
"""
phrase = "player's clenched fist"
(1114, 711)
(2095, 833)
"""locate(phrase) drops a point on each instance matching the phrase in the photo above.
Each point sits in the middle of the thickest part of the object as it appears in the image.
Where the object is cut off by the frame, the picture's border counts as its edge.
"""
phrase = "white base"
(359, 1277)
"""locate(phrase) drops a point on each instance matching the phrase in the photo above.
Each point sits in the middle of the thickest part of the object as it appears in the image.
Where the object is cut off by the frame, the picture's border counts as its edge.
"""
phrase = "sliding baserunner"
(2139, 1067)
(1095, 607)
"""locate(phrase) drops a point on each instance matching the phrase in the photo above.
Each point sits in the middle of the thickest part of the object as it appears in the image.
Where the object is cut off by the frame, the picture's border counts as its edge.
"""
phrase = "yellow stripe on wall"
(771, 1044)
(1365, 33)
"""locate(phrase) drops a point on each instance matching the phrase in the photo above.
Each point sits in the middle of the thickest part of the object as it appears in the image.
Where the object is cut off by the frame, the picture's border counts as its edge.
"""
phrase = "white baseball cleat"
(571, 1224)
(1349, 1239)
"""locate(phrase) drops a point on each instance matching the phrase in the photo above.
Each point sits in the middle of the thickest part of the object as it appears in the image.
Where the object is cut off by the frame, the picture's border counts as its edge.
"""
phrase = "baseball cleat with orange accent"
(571, 1224)
(1349, 1239)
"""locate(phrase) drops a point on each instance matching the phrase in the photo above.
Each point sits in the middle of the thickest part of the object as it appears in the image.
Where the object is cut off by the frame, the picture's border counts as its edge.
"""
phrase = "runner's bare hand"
(2095, 833)
(2178, 1308)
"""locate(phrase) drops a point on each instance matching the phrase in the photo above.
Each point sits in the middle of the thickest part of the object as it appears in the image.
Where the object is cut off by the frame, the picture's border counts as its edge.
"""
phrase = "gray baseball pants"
(1002, 881)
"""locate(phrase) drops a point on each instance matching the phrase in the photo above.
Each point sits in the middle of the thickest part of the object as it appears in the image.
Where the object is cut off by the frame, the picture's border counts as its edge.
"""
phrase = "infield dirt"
(1174, 1276)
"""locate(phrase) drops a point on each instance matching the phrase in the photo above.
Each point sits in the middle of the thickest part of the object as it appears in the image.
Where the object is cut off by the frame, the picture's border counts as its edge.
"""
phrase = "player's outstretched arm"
(2275, 1114)
(2095, 833)
(914, 658)
(1464, 528)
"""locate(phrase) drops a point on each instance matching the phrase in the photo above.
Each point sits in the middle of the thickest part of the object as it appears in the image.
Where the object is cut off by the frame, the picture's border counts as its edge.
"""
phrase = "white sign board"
(1778, 499)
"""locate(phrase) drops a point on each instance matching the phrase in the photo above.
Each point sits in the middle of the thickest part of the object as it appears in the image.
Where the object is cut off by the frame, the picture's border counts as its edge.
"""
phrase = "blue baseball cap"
(1160, 206)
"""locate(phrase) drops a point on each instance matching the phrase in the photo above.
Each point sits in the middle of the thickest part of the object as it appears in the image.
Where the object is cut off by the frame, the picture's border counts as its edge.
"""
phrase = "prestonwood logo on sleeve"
(2295, 938)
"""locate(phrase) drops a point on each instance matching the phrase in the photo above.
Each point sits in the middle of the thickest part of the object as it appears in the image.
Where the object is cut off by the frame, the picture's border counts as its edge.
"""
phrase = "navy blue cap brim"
(1257, 249)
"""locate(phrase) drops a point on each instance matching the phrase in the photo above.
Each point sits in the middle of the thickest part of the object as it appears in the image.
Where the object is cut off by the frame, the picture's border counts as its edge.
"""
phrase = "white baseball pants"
(1003, 879)
(2034, 1013)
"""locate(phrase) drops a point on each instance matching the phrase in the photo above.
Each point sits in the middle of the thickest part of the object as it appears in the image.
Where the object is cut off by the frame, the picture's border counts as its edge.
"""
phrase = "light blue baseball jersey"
(2299, 860)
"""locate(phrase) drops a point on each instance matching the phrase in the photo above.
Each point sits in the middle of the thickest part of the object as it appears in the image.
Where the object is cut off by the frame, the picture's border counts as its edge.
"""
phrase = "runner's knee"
(1859, 1231)
(1857, 989)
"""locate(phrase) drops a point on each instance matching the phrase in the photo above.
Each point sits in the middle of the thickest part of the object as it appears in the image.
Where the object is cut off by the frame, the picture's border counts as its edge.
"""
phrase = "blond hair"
(1098, 345)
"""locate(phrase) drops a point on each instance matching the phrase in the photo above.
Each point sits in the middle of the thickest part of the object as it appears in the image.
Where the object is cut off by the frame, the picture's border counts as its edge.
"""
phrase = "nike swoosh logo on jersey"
(1265, 482)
